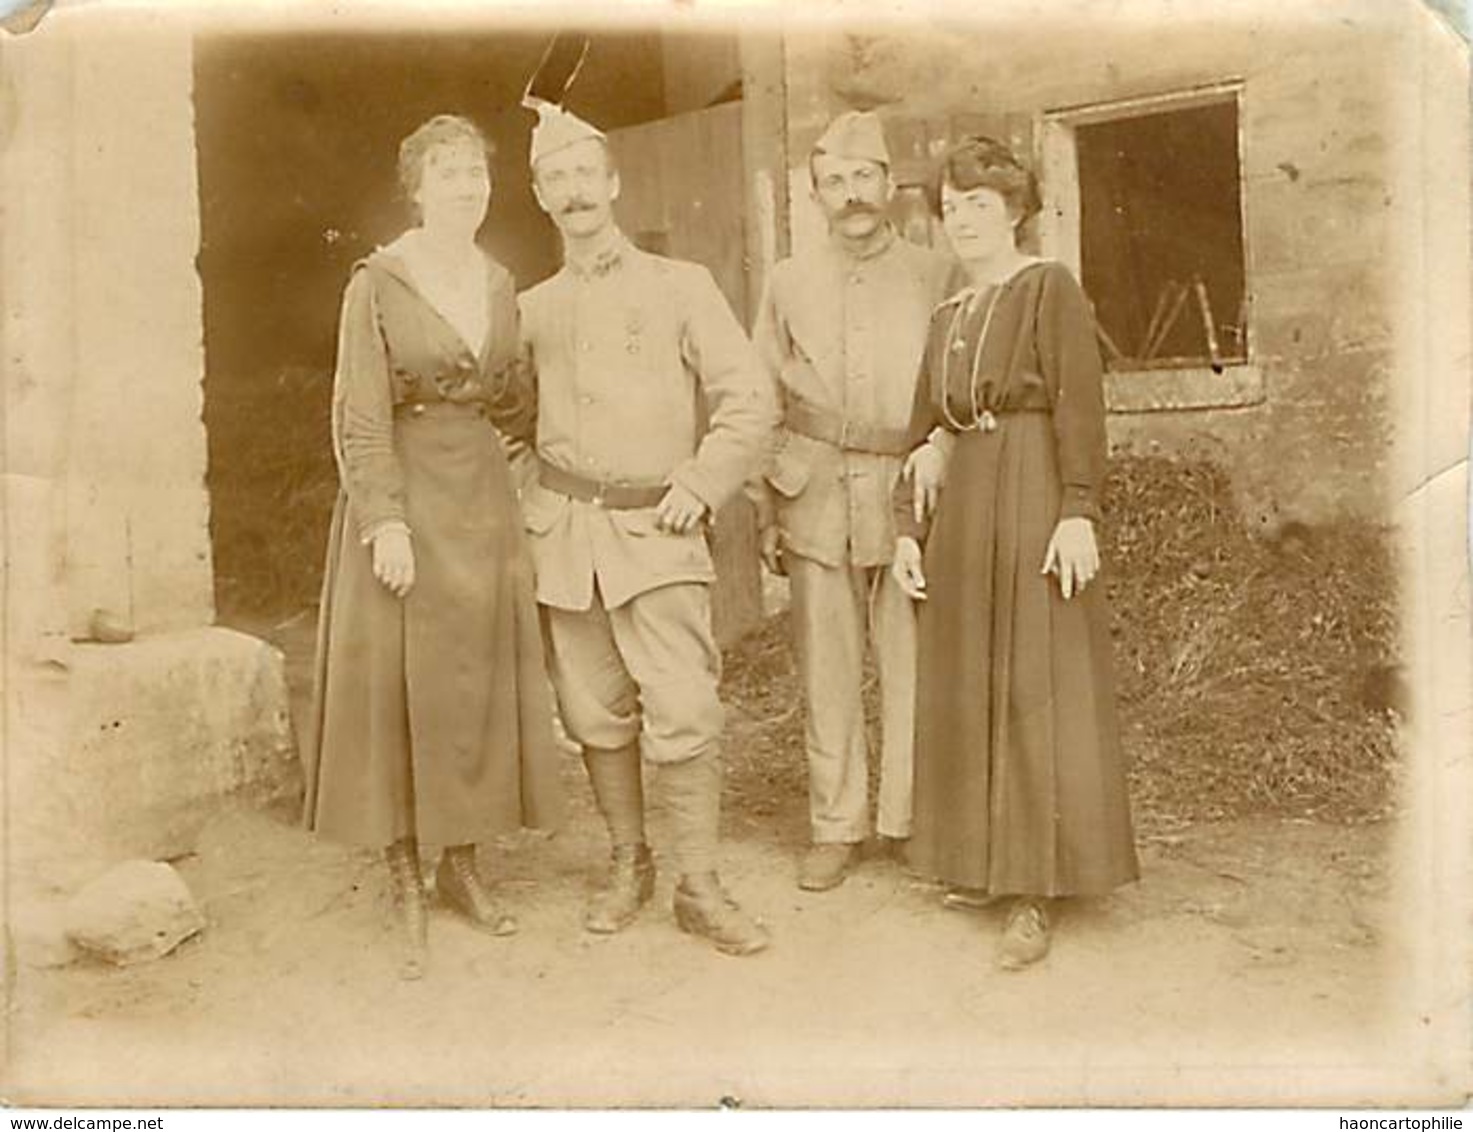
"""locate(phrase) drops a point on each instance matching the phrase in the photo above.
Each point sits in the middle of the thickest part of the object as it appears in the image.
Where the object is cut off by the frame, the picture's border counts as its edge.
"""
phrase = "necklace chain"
(981, 418)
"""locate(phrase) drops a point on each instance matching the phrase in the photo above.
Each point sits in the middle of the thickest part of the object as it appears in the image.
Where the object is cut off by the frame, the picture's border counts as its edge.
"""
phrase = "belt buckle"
(844, 434)
(598, 494)
(987, 421)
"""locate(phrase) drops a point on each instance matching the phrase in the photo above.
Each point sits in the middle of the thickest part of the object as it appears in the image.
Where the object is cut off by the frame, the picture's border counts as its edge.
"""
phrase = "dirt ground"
(1247, 945)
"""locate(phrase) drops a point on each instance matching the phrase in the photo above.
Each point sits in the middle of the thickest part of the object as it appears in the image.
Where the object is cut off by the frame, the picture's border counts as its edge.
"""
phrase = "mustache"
(579, 206)
(858, 208)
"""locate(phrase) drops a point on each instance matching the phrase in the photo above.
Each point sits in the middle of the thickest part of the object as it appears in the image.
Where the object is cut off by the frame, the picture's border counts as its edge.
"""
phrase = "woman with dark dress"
(432, 720)
(1020, 786)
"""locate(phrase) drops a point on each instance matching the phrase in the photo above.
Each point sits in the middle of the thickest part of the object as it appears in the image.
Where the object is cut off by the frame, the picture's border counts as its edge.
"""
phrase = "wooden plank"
(682, 188)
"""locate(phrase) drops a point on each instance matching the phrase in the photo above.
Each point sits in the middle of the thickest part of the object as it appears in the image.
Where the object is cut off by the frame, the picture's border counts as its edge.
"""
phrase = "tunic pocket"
(790, 472)
(541, 509)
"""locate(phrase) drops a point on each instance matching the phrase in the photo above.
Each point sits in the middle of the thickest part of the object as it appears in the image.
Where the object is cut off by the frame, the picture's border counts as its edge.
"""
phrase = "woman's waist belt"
(817, 423)
(613, 496)
(415, 409)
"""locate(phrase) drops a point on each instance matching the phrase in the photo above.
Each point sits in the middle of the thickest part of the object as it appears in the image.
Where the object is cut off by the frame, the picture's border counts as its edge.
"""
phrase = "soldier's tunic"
(843, 338)
(621, 349)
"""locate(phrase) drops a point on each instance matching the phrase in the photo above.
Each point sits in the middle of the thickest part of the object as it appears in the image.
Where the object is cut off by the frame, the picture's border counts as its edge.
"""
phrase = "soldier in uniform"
(842, 329)
(623, 344)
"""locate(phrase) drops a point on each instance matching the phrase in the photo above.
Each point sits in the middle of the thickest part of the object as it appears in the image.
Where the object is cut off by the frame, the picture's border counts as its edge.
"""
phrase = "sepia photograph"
(702, 554)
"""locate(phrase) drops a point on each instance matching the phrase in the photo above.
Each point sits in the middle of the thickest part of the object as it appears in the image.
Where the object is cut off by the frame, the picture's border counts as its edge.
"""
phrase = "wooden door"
(681, 195)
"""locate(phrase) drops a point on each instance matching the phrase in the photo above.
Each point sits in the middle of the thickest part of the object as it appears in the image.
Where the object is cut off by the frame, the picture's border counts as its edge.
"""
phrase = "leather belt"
(808, 419)
(613, 496)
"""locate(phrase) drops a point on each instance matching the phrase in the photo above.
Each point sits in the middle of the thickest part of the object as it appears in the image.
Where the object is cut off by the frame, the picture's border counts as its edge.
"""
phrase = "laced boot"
(409, 902)
(628, 888)
(703, 908)
(460, 887)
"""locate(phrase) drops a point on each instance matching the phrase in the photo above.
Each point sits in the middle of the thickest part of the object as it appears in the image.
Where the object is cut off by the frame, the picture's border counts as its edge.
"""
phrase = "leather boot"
(460, 887)
(618, 787)
(409, 901)
(630, 884)
(703, 908)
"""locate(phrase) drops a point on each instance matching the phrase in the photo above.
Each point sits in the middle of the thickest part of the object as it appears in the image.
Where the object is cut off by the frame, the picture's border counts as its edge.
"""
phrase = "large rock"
(136, 911)
(127, 750)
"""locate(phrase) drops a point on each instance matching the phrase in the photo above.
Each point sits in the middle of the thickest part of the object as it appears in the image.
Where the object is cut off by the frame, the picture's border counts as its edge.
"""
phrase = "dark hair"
(442, 129)
(978, 162)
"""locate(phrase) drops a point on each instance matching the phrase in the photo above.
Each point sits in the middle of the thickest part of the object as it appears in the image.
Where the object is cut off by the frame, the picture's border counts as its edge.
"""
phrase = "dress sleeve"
(924, 418)
(1070, 360)
(363, 413)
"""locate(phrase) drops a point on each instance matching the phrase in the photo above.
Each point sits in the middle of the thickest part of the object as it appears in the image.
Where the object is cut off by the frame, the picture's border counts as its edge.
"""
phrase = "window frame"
(1238, 382)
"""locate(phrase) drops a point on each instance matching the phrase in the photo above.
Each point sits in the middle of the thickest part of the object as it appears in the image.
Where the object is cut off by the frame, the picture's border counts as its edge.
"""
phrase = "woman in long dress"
(1020, 785)
(432, 719)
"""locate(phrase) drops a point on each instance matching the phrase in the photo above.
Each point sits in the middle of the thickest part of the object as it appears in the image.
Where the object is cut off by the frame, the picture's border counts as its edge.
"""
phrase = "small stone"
(108, 627)
(134, 912)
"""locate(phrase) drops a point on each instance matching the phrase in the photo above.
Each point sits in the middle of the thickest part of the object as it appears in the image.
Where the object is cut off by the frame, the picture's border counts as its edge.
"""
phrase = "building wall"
(1317, 147)
(105, 449)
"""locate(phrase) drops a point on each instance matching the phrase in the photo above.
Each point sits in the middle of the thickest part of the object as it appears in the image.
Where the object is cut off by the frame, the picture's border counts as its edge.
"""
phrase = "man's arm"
(741, 405)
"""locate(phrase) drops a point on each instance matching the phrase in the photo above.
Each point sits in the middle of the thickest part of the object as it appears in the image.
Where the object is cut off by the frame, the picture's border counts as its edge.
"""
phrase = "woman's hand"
(393, 560)
(926, 469)
(1073, 555)
(906, 568)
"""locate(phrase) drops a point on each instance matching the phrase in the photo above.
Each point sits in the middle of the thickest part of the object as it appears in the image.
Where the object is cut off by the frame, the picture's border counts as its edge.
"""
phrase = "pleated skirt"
(1020, 781)
(432, 716)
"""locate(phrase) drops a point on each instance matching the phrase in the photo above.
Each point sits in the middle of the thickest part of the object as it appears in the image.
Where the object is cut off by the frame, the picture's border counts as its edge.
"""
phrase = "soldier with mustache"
(624, 346)
(842, 329)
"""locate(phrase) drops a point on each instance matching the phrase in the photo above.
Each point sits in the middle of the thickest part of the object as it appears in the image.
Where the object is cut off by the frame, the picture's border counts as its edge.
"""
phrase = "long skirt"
(433, 715)
(1020, 784)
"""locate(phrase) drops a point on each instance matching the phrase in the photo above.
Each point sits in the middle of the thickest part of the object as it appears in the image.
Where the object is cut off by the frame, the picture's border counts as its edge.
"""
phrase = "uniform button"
(419, 409)
(590, 461)
(586, 399)
(585, 346)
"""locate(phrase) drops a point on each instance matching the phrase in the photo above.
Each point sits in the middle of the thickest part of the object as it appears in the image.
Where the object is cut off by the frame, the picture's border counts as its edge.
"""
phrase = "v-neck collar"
(394, 263)
(972, 291)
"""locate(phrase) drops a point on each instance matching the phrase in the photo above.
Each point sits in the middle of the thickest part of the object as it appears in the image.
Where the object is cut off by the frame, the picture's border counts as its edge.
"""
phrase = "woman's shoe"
(409, 901)
(1025, 938)
(459, 886)
(967, 899)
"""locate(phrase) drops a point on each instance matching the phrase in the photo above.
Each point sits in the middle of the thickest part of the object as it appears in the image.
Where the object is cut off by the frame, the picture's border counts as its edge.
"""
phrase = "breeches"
(647, 671)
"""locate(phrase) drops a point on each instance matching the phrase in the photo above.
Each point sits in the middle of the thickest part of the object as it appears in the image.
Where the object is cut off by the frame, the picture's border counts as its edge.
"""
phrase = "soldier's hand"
(393, 560)
(769, 547)
(679, 511)
(1073, 555)
(906, 569)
